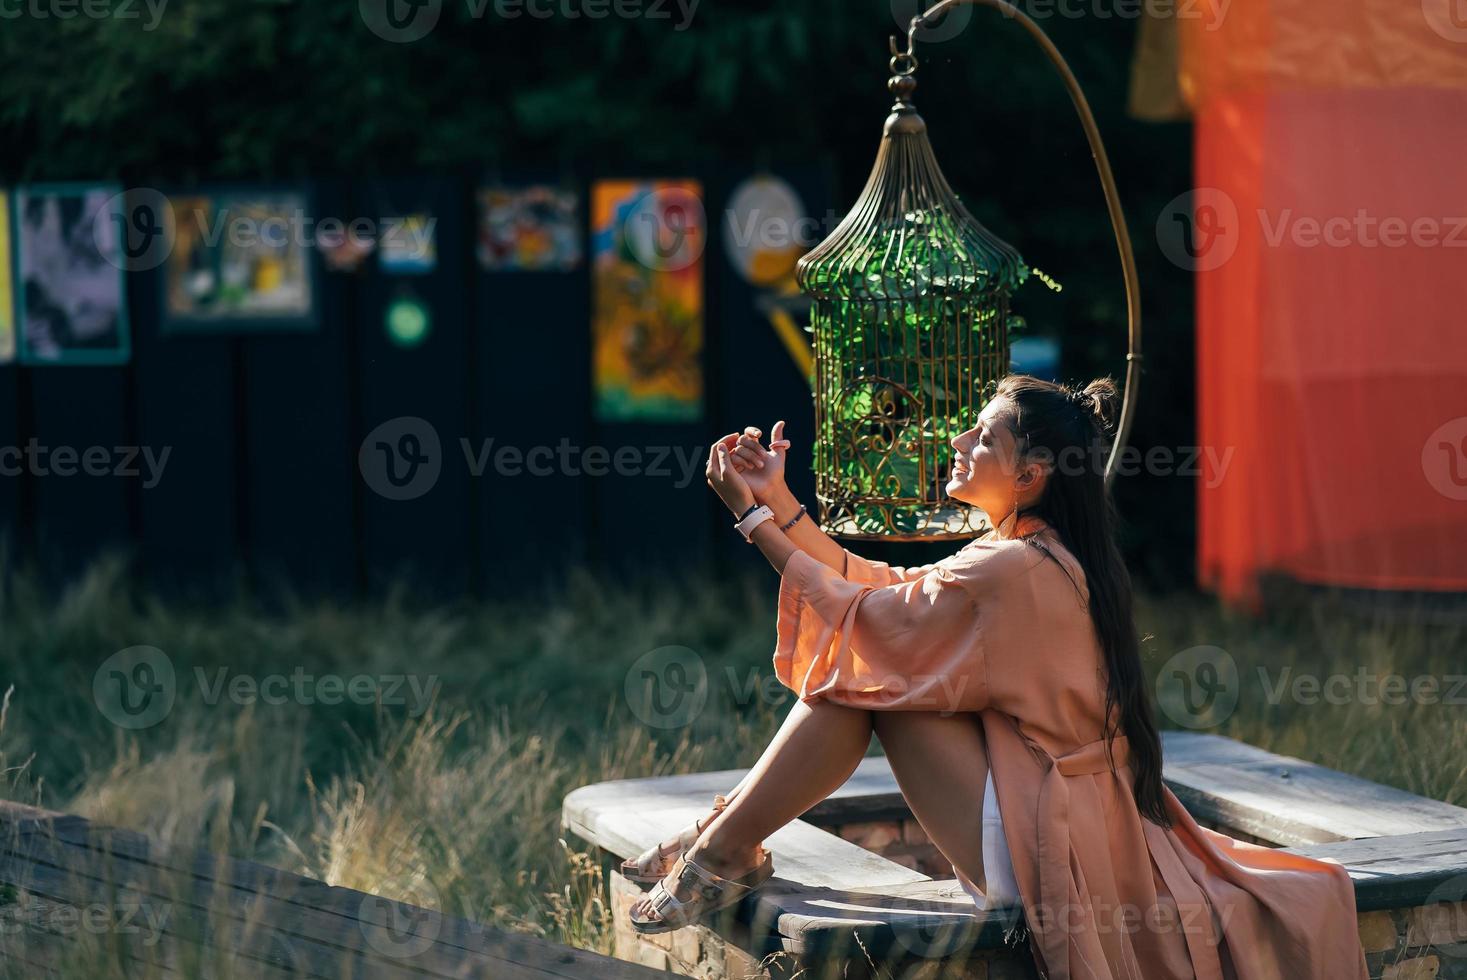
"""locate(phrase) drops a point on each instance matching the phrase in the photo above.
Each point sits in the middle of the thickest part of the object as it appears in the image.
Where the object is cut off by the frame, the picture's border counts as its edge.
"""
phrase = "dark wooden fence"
(263, 429)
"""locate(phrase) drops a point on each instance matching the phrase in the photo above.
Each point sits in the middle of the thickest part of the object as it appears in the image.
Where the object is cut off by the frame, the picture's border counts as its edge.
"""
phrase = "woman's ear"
(1031, 477)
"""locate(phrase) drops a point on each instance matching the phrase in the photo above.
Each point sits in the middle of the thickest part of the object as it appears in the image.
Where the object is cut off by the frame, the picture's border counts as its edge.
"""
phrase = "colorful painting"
(7, 294)
(408, 244)
(72, 305)
(528, 228)
(647, 244)
(239, 261)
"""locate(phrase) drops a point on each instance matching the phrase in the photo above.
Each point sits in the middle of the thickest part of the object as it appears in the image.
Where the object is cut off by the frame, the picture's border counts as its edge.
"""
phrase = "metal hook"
(909, 56)
(906, 59)
(911, 38)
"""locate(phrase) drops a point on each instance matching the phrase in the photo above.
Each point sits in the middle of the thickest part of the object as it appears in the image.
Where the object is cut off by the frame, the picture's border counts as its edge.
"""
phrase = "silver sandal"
(709, 894)
(653, 864)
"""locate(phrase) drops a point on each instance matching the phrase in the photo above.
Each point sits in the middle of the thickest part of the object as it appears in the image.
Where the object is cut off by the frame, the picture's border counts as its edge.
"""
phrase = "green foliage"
(238, 88)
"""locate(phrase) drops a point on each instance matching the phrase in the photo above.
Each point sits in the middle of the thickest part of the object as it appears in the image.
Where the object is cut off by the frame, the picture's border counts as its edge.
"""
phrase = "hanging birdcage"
(911, 326)
(910, 317)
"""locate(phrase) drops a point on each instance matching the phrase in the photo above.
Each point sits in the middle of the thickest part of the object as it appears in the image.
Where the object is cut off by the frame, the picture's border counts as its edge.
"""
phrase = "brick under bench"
(860, 891)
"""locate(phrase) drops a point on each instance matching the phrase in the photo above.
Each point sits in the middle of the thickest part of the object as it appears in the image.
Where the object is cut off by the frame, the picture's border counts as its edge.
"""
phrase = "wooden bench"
(859, 888)
(74, 895)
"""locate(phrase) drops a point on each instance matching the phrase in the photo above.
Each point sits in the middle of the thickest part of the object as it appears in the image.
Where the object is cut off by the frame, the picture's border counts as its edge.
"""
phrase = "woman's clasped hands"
(743, 472)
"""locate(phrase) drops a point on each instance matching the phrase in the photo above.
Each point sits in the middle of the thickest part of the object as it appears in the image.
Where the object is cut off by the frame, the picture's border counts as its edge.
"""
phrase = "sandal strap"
(706, 887)
(703, 885)
(656, 857)
(665, 904)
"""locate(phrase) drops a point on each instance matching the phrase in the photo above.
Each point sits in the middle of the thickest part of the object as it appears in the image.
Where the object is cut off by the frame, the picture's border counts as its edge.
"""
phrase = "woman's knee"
(906, 721)
(836, 714)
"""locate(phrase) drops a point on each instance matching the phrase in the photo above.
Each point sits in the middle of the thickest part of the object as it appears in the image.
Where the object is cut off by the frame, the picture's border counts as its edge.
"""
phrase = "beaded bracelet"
(792, 520)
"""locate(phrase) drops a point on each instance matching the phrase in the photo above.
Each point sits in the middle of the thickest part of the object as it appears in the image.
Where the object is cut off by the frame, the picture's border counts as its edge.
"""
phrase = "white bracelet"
(756, 517)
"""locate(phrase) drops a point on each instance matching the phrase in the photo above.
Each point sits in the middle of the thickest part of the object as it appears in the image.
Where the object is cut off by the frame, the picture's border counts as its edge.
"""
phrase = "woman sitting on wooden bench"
(1003, 681)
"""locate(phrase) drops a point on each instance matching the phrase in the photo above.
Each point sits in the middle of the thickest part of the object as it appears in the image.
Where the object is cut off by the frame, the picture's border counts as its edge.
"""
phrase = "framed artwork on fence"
(408, 244)
(647, 244)
(344, 247)
(528, 228)
(766, 230)
(239, 261)
(70, 295)
(7, 293)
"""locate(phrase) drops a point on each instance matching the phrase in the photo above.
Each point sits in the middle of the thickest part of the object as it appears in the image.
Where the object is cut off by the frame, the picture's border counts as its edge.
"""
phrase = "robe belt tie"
(1053, 923)
(1054, 862)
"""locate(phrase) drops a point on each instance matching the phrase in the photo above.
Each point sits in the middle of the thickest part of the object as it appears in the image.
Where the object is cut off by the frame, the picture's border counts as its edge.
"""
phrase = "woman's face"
(985, 471)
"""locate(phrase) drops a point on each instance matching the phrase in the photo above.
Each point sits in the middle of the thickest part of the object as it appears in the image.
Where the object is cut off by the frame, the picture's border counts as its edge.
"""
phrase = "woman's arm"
(806, 534)
(726, 477)
(901, 645)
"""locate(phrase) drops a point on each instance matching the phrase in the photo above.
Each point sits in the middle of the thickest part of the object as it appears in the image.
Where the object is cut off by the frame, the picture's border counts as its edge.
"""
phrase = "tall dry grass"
(457, 807)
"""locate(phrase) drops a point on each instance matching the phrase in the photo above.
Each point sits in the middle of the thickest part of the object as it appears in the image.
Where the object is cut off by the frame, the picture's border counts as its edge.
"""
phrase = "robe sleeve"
(868, 572)
(908, 644)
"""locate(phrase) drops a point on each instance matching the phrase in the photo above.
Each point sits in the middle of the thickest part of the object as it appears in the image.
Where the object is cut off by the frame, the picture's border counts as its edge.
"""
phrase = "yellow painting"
(647, 243)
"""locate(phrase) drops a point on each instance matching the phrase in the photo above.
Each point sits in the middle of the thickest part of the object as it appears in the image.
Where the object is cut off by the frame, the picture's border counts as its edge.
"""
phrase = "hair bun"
(1101, 400)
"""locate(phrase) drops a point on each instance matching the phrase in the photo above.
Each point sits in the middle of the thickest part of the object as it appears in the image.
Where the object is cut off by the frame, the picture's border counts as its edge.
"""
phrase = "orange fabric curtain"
(1330, 229)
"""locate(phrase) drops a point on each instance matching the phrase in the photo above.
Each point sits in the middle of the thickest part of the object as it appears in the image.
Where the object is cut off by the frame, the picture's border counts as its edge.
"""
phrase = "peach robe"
(1002, 627)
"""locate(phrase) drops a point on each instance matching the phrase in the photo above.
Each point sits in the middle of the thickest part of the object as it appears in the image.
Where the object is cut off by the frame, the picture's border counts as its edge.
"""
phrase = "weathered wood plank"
(627, 816)
(198, 922)
(1288, 801)
(317, 929)
(295, 939)
(936, 918)
(29, 953)
(1276, 798)
(1401, 871)
(1407, 844)
(933, 918)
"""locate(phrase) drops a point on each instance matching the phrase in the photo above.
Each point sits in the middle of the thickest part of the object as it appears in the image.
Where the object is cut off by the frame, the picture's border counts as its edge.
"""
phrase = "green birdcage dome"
(910, 317)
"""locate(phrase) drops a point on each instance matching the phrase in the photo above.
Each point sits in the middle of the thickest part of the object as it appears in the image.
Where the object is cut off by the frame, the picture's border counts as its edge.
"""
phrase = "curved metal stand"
(1107, 183)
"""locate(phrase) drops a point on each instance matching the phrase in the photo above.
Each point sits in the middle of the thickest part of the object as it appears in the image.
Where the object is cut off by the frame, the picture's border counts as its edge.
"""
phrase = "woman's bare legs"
(813, 754)
(786, 730)
(941, 764)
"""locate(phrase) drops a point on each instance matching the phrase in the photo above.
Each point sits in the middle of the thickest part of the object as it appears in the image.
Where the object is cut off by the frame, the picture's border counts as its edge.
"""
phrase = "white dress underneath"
(1003, 889)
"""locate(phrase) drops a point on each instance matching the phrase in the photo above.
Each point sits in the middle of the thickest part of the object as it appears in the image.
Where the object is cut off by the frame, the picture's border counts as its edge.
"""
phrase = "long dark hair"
(1067, 428)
